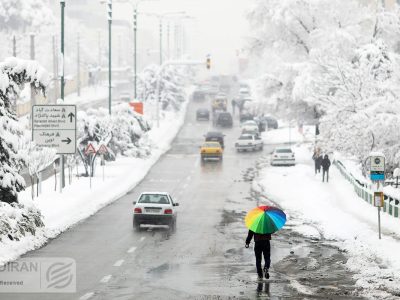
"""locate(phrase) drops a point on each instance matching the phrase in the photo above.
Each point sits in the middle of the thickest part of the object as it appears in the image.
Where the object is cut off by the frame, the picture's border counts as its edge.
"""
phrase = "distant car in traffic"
(283, 156)
(224, 119)
(202, 114)
(272, 123)
(155, 208)
(247, 142)
(249, 125)
(220, 102)
(211, 150)
(199, 96)
(215, 136)
(246, 116)
(244, 92)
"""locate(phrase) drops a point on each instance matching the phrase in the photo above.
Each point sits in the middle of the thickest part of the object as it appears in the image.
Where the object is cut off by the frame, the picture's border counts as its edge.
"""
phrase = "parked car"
(224, 119)
(211, 150)
(202, 114)
(215, 136)
(271, 122)
(251, 142)
(283, 156)
(155, 208)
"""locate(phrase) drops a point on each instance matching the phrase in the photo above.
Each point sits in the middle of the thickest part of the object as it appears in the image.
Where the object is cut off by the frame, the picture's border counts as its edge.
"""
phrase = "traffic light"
(208, 62)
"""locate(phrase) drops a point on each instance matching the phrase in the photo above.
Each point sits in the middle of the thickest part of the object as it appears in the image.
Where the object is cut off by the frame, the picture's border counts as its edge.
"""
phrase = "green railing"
(391, 205)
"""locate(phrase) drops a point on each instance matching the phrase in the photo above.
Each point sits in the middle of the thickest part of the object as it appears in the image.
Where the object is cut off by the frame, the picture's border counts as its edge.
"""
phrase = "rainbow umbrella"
(265, 219)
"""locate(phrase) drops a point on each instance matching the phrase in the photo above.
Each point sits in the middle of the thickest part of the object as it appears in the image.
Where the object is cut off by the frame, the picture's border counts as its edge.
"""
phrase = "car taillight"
(218, 151)
(168, 211)
(292, 154)
(275, 155)
(138, 210)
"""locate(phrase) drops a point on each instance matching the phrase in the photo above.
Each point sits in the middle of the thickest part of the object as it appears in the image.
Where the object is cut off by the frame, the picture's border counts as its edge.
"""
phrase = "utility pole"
(32, 56)
(78, 66)
(55, 69)
(99, 46)
(168, 41)
(14, 46)
(109, 12)
(135, 49)
(161, 58)
(62, 3)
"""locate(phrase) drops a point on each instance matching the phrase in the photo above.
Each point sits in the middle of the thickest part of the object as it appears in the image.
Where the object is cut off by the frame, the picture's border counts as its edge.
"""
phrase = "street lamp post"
(135, 48)
(62, 3)
(109, 13)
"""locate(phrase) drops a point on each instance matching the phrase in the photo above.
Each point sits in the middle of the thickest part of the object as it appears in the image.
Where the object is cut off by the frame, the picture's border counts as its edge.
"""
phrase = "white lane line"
(189, 178)
(131, 249)
(105, 279)
(118, 263)
(142, 238)
(185, 185)
(87, 296)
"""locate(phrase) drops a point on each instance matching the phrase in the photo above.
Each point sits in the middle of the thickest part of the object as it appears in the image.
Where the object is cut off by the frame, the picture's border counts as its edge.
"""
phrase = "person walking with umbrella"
(262, 247)
(262, 222)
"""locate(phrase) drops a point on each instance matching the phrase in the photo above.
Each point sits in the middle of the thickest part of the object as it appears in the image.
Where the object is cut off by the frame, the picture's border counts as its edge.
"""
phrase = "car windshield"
(283, 150)
(211, 145)
(245, 137)
(154, 199)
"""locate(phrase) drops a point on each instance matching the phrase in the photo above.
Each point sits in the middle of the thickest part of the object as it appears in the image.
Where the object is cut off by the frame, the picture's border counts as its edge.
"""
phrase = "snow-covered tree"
(14, 73)
(20, 15)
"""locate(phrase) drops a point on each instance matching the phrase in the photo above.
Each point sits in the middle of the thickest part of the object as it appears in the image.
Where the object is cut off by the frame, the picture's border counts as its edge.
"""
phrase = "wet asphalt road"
(205, 258)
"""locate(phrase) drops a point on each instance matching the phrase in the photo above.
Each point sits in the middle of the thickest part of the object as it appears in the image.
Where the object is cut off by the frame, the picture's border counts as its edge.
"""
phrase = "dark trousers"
(323, 175)
(262, 248)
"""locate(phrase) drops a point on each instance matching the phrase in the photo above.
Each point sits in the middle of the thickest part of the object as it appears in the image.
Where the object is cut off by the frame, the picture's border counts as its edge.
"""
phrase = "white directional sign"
(54, 126)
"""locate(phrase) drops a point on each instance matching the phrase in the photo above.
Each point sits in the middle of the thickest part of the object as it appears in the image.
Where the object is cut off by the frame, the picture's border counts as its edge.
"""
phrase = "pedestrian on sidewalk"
(262, 247)
(317, 157)
(326, 163)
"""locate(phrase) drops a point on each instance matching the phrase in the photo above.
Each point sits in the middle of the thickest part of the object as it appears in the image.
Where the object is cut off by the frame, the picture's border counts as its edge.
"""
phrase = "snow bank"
(340, 216)
(288, 135)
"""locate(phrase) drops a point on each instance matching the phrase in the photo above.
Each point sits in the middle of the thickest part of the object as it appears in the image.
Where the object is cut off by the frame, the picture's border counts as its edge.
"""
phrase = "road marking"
(132, 249)
(189, 178)
(87, 296)
(105, 279)
(185, 186)
(180, 192)
(118, 263)
(142, 238)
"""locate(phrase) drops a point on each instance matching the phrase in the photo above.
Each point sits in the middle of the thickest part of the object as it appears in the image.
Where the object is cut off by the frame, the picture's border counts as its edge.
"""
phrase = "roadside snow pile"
(288, 134)
(341, 217)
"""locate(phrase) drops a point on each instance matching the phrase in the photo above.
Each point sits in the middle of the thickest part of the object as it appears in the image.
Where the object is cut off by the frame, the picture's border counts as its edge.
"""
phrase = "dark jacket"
(257, 237)
(326, 163)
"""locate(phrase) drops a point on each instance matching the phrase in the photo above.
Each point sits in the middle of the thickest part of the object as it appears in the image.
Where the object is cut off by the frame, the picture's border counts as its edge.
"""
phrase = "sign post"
(102, 151)
(90, 151)
(54, 126)
(377, 174)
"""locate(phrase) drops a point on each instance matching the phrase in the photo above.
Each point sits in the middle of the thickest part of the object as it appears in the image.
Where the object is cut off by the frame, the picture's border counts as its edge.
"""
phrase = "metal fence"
(391, 204)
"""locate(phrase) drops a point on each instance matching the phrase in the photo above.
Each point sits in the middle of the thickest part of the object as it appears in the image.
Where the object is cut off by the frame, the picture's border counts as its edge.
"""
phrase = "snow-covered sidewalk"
(78, 201)
(332, 211)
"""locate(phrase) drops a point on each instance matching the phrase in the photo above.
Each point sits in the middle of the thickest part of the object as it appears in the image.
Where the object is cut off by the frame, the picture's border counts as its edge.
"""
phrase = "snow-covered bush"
(172, 85)
(123, 131)
(18, 220)
(14, 73)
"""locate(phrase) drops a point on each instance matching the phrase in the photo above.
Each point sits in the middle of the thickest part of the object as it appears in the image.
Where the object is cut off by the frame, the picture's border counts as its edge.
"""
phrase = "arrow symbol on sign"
(68, 141)
(71, 115)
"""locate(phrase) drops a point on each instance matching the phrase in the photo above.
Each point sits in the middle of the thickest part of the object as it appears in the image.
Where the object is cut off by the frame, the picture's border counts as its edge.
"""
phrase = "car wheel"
(172, 226)
(136, 226)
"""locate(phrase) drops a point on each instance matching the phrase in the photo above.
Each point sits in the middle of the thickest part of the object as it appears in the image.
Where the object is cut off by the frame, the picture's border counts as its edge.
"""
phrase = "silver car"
(283, 156)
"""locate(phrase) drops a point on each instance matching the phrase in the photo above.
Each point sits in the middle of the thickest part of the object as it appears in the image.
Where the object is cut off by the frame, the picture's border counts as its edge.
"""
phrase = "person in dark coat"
(326, 163)
(317, 157)
(262, 247)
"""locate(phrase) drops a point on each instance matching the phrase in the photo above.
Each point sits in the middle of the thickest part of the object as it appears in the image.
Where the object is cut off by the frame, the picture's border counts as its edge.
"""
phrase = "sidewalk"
(340, 217)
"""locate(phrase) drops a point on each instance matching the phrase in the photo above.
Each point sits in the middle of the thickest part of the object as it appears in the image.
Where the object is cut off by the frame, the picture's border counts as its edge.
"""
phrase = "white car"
(249, 126)
(244, 92)
(155, 208)
(283, 156)
(249, 142)
(125, 97)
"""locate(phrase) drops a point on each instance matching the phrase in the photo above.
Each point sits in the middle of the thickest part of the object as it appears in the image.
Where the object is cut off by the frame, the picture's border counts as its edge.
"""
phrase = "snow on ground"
(78, 201)
(287, 134)
(88, 94)
(340, 216)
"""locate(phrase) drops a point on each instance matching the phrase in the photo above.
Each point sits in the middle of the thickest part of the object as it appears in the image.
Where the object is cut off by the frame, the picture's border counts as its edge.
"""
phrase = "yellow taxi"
(211, 150)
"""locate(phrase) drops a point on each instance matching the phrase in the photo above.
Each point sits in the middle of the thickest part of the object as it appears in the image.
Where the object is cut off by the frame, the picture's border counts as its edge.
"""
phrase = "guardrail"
(391, 204)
